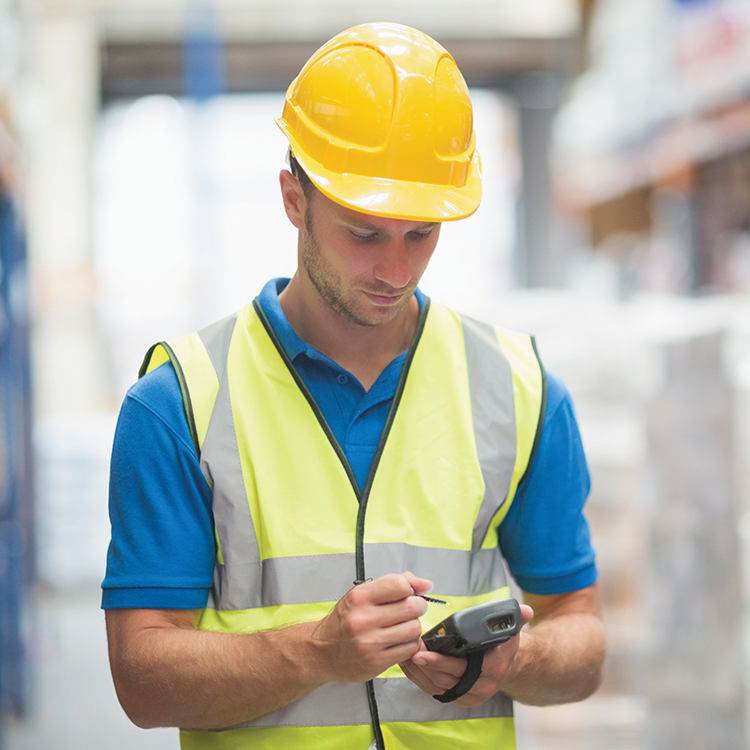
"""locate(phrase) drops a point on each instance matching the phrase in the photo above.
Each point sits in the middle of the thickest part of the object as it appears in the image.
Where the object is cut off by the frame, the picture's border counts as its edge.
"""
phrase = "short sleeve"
(545, 537)
(162, 550)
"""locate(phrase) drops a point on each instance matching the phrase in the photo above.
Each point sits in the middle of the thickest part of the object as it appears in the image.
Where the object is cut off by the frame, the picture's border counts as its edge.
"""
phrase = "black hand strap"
(470, 676)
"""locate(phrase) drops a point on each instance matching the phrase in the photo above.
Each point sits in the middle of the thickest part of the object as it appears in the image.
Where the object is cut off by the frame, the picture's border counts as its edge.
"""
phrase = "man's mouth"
(384, 299)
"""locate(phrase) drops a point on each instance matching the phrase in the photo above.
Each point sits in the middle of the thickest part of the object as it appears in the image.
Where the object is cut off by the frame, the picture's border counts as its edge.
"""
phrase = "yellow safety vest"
(293, 530)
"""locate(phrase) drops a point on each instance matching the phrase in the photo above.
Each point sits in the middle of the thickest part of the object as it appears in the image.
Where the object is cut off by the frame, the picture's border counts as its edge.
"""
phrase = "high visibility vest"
(293, 530)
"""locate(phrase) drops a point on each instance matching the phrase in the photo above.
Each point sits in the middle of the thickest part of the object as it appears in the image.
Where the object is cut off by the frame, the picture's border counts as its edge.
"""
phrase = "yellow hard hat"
(380, 119)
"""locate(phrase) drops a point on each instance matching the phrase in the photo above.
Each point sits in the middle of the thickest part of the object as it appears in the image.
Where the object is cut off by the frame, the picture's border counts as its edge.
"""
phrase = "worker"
(290, 483)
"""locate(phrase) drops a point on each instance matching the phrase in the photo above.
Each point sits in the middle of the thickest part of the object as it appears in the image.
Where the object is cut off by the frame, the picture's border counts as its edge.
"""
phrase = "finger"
(384, 590)
(405, 632)
(407, 610)
(419, 585)
(527, 614)
(431, 681)
(434, 662)
(420, 678)
(401, 652)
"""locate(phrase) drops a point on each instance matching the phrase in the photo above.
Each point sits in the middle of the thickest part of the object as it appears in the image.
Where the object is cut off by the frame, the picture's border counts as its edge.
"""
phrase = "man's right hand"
(372, 627)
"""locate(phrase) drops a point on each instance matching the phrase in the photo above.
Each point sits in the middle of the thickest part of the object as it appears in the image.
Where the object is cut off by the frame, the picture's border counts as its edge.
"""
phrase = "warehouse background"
(138, 159)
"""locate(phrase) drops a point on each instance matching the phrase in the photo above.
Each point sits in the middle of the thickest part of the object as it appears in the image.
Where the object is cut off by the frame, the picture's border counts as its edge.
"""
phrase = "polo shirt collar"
(291, 343)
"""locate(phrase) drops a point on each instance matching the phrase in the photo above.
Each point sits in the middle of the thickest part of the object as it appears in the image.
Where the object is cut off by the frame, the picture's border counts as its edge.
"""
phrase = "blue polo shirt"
(162, 550)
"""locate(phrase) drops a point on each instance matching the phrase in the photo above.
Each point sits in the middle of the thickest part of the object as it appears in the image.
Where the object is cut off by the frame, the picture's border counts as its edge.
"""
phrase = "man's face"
(364, 267)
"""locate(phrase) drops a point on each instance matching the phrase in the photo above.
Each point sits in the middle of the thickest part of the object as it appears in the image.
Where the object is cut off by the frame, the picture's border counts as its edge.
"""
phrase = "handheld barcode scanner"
(475, 628)
(470, 633)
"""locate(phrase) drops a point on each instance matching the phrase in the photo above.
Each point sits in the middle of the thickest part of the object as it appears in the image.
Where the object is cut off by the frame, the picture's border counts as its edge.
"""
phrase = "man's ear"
(293, 198)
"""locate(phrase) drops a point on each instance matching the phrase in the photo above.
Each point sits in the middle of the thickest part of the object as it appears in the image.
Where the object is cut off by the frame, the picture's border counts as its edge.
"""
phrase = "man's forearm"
(559, 660)
(183, 677)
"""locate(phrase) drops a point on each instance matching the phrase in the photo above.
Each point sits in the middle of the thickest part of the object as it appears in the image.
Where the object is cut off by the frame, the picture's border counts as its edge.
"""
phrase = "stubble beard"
(329, 287)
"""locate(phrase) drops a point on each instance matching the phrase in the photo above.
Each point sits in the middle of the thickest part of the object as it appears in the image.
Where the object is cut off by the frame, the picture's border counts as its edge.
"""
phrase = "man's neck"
(365, 351)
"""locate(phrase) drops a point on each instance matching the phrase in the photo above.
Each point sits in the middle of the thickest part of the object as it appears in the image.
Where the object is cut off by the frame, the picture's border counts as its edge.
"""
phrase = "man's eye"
(368, 237)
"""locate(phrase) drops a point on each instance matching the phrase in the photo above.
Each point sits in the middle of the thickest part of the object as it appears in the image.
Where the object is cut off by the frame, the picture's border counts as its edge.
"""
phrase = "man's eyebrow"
(362, 224)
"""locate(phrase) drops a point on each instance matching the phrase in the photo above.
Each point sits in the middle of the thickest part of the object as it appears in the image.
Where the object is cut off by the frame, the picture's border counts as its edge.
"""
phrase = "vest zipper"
(360, 539)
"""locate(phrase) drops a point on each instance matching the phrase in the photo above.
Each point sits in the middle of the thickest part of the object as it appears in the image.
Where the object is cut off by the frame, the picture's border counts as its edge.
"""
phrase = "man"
(290, 482)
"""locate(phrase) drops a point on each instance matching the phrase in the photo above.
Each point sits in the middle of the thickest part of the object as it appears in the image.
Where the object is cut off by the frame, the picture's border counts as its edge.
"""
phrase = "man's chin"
(374, 316)
(363, 308)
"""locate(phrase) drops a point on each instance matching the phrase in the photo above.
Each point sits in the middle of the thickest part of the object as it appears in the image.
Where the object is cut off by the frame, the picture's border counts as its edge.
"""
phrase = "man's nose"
(393, 266)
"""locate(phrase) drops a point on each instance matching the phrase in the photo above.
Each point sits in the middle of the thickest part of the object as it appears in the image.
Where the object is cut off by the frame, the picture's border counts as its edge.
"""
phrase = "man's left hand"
(435, 673)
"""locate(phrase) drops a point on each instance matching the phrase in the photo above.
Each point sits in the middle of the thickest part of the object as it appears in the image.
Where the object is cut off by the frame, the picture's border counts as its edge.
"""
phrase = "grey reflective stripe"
(280, 580)
(460, 572)
(334, 704)
(220, 462)
(216, 338)
(344, 704)
(400, 700)
(326, 578)
(493, 416)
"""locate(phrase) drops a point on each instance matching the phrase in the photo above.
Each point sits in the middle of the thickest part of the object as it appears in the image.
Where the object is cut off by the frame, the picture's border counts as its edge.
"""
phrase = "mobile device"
(475, 629)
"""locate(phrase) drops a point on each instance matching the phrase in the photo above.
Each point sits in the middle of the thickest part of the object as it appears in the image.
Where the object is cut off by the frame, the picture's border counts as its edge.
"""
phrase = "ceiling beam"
(130, 70)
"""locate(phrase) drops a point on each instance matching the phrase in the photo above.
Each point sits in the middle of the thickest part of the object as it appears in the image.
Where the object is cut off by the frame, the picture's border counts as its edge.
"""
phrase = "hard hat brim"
(397, 199)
